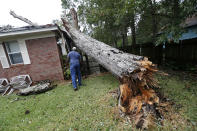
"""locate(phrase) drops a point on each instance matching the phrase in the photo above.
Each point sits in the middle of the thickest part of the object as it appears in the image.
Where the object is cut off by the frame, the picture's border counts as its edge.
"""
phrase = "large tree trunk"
(176, 12)
(115, 43)
(133, 36)
(154, 19)
(123, 40)
(116, 61)
(134, 72)
(124, 37)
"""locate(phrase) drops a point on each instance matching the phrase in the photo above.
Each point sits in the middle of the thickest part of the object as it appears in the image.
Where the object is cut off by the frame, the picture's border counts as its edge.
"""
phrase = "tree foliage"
(153, 21)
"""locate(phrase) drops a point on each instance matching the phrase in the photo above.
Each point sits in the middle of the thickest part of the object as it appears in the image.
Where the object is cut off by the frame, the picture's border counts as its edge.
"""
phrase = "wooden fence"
(184, 52)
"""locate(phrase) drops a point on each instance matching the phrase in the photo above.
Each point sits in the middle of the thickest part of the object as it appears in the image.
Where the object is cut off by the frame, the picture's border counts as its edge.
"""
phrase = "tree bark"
(154, 19)
(123, 40)
(133, 36)
(124, 37)
(115, 43)
(176, 12)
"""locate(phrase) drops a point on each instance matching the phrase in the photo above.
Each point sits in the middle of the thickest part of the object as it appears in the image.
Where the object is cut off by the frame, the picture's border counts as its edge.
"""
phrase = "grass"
(90, 108)
(181, 88)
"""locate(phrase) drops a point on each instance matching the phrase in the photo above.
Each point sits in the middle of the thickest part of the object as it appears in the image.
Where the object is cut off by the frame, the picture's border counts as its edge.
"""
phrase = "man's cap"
(74, 48)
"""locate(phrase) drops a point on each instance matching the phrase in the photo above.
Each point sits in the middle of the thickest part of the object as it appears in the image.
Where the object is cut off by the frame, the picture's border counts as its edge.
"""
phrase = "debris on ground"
(3, 84)
(20, 82)
(40, 87)
(17, 83)
(22, 85)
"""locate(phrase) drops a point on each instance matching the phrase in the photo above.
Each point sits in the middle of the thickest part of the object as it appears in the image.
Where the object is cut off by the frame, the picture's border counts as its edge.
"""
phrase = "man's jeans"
(75, 70)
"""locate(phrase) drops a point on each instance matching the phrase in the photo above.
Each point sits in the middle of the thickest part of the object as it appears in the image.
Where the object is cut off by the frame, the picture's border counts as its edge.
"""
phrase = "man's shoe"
(75, 89)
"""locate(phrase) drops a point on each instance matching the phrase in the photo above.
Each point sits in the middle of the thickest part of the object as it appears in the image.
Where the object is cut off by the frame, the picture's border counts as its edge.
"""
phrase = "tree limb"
(22, 18)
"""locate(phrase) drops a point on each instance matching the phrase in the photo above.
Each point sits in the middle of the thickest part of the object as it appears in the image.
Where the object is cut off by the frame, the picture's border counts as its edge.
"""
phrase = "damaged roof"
(8, 30)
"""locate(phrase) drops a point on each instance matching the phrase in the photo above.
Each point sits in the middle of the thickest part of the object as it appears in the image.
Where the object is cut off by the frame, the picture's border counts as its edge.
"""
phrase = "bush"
(66, 69)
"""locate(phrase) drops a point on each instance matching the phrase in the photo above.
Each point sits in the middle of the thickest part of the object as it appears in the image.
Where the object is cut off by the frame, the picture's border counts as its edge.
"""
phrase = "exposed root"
(138, 98)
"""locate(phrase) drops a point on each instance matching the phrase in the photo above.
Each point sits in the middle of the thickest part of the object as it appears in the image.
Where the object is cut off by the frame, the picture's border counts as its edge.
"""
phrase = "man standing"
(74, 59)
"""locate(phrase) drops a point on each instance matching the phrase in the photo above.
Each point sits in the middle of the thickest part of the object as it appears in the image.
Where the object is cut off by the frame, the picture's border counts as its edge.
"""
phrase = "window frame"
(12, 53)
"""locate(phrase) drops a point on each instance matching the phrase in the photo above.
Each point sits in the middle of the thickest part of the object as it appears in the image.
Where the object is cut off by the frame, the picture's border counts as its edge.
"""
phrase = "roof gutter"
(28, 31)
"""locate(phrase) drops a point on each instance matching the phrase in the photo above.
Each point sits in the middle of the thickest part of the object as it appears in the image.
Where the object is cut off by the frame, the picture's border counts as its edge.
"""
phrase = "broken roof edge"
(62, 29)
(28, 30)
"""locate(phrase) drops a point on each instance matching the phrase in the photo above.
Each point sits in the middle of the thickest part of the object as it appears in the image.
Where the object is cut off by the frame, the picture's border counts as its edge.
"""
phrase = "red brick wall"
(45, 61)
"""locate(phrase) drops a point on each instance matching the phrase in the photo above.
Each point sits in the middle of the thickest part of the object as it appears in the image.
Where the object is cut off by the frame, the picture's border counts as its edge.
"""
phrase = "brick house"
(31, 50)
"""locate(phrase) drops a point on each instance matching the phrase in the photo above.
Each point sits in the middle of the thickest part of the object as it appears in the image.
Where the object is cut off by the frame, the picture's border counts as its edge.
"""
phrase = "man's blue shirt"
(74, 57)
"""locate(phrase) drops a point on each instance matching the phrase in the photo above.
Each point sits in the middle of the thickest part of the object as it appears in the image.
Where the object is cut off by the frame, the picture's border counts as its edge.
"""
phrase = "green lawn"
(90, 108)
(181, 88)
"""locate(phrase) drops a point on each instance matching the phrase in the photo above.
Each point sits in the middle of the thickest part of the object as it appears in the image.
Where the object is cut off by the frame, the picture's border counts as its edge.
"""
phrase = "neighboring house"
(31, 50)
(191, 27)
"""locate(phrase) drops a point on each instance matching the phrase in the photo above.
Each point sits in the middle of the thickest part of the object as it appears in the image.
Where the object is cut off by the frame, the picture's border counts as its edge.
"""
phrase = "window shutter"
(24, 52)
(3, 58)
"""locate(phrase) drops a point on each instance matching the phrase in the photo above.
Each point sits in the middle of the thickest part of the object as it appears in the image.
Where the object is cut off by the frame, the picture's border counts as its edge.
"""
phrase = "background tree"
(147, 21)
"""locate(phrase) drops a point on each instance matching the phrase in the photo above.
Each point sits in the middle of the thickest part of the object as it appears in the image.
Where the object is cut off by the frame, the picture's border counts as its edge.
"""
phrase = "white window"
(14, 52)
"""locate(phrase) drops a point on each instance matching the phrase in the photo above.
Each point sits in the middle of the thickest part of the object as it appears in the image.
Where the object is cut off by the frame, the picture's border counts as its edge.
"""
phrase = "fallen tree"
(116, 61)
(137, 96)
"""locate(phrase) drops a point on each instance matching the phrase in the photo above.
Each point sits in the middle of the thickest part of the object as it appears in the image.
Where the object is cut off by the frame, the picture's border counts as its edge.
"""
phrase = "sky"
(38, 11)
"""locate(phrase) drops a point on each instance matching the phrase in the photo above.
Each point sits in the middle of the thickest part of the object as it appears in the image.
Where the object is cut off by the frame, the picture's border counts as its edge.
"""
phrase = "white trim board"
(29, 36)
(28, 31)
(3, 57)
(24, 52)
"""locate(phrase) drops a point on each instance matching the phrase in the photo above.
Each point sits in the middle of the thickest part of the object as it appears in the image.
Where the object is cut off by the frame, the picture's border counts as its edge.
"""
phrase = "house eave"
(28, 31)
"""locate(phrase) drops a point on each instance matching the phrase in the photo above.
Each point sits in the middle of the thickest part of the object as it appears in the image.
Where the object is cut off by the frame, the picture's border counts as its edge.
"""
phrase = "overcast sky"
(38, 11)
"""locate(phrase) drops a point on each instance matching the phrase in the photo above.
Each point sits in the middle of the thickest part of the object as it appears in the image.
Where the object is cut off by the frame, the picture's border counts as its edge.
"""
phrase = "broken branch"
(22, 18)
